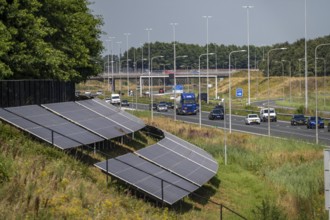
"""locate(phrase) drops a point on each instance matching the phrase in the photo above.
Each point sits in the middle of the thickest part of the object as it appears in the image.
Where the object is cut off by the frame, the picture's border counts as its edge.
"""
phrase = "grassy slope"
(282, 178)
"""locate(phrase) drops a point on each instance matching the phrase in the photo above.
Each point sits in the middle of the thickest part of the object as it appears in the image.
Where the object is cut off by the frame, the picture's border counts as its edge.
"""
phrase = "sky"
(270, 21)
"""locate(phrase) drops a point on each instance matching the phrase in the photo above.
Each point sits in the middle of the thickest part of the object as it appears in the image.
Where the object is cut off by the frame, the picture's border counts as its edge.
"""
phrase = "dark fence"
(30, 92)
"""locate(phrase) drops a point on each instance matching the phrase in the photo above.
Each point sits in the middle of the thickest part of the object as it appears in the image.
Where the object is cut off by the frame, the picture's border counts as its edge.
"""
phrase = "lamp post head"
(283, 48)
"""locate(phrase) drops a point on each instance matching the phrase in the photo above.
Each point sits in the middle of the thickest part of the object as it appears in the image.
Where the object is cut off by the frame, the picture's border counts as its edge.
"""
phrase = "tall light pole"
(283, 76)
(301, 59)
(148, 30)
(127, 64)
(119, 53)
(152, 111)
(289, 75)
(174, 69)
(316, 96)
(112, 79)
(282, 48)
(207, 56)
(247, 7)
(229, 73)
(324, 69)
(108, 44)
(199, 87)
(306, 64)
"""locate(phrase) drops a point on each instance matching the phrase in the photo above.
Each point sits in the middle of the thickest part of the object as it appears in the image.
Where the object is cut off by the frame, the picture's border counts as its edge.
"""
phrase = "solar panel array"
(48, 126)
(113, 113)
(168, 170)
(181, 158)
(148, 177)
(72, 124)
(89, 120)
(188, 166)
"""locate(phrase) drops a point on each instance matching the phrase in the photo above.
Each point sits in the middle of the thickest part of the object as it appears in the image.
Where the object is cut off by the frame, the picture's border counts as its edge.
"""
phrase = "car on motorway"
(154, 106)
(264, 114)
(216, 114)
(161, 90)
(311, 122)
(170, 105)
(162, 107)
(252, 119)
(298, 120)
(219, 107)
(124, 103)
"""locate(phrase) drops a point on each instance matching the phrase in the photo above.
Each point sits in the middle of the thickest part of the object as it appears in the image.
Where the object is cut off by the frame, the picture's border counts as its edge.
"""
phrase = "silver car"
(252, 119)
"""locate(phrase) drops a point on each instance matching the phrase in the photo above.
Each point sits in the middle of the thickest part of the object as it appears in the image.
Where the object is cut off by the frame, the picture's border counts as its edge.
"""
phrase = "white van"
(264, 114)
(115, 99)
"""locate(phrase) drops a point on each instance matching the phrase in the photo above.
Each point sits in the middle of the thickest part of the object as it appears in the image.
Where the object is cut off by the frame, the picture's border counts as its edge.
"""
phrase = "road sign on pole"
(239, 92)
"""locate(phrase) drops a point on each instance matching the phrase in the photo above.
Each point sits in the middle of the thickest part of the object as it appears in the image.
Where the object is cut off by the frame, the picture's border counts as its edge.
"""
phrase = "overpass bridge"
(161, 79)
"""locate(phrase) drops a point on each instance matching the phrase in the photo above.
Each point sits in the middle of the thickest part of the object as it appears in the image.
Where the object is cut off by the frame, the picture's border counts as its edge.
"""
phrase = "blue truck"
(186, 104)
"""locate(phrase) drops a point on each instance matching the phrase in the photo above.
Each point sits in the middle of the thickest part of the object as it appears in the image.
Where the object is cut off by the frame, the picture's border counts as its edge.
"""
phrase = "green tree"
(49, 39)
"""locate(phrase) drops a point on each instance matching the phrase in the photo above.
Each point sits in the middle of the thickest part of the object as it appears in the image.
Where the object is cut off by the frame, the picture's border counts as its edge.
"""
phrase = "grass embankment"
(264, 177)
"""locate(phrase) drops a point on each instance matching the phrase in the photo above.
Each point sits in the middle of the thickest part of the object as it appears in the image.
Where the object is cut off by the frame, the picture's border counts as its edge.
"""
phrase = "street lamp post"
(148, 30)
(316, 95)
(174, 68)
(152, 112)
(229, 73)
(199, 87)
(283, 76)
(225, 129)
(127, 64)
(282, 48)
(207, 56)
(247, 7)
(306, 63)
(324, 69)
(301, 59)
(119, 63)
(289, 75)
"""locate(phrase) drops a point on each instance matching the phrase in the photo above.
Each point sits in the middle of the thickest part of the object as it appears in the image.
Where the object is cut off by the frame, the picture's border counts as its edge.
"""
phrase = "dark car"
(329, 127)
(219, 107)
(124, 103)
(161, 90)
(154, 106)
(216, 114)
(311, 122)
(170, 105)
(298, 120)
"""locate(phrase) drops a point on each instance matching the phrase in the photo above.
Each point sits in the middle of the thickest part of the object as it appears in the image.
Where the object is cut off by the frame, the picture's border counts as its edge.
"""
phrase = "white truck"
(264, 114)
(115, 99)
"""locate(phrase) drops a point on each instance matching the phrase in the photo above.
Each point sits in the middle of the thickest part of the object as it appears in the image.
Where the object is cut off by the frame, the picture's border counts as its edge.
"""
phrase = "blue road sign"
(239, 92)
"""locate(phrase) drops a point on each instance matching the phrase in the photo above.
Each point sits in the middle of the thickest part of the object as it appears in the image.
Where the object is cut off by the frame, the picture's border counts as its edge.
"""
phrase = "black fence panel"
(30, 92)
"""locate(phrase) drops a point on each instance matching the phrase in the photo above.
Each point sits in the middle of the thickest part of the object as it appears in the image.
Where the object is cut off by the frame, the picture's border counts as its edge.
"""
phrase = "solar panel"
(113, 113)
(88, 119)
(40, 122)
(177, 164)
(148, 177)
(189, 151)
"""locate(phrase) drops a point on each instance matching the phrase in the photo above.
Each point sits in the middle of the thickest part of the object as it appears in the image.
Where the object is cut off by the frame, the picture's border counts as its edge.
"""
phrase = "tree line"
(283, 61)
(47, 39)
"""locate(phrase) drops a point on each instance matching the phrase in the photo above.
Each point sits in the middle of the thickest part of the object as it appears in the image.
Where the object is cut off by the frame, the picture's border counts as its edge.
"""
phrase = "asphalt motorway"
(281, 129)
